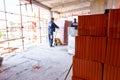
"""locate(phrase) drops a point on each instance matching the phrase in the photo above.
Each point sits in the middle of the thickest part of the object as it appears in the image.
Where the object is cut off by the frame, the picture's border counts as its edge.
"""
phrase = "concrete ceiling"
(64, 6)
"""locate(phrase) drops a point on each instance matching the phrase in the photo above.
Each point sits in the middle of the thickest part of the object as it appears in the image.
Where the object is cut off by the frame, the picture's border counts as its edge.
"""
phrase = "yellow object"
(1, 34)
(57, 41)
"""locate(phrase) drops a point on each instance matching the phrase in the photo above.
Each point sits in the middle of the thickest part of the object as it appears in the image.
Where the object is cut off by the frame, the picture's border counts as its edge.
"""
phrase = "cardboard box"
(91, 48)
(87, 70)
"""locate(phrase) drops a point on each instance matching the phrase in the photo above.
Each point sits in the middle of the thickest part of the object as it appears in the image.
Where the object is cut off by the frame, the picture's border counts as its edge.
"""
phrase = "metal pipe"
(6, 23)
(21, 24)
(68, 72)
(39, 25)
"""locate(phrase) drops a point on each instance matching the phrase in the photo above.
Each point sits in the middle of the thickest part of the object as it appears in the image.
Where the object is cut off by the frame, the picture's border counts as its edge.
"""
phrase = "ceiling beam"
(43, 0)
(78, 9)
(71, 3)
(65, 5)
(39, 4)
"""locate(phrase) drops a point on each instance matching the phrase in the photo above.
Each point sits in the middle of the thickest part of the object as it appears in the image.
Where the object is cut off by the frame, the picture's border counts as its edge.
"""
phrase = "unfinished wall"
(99, 6)
(113, 4)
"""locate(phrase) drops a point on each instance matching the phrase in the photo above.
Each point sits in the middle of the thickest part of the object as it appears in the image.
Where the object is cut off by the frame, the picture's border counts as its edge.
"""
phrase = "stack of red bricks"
(112, 60)
(97, 47)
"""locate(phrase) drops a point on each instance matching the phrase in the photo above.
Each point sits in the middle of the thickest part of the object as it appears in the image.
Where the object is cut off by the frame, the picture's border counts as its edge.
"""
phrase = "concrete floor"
(40, 62)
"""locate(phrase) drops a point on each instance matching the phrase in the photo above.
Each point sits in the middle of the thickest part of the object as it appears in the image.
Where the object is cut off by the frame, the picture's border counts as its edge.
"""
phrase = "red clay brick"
(111, 73)
(113, 52)
(91, 48)
(87, 70)
(114, 23)
(95, 25)
(76, 78)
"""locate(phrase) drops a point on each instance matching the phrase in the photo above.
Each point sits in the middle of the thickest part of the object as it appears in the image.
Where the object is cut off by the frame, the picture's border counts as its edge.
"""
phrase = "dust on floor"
(40, 62)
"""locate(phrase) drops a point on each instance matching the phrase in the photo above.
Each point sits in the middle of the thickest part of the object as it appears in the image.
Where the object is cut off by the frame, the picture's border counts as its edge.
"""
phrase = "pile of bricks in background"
(66, 25)
(97, 47)
(62, 32)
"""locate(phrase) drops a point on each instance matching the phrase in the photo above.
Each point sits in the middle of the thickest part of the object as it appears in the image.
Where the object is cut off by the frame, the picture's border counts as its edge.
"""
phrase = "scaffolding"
(23, 28)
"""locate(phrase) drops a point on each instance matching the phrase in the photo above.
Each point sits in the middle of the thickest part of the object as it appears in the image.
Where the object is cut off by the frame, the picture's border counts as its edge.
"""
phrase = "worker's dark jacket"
(74, 24)
(51, 27)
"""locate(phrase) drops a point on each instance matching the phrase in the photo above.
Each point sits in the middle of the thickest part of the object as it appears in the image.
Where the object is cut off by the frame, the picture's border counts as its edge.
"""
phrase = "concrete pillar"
(116, 3)
(112, 4)
(99, 6)
(51, 14)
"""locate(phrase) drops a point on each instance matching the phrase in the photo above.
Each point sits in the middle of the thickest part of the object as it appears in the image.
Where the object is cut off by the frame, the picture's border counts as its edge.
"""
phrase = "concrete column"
(113, 4)
(51, 14)
(99, 6)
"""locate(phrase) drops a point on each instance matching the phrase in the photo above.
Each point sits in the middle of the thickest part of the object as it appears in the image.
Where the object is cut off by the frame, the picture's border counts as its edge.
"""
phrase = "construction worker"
(74, 24)
(51, 29)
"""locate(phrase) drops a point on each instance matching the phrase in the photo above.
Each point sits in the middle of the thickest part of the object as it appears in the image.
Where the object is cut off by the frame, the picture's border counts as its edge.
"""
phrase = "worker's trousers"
(50, 36)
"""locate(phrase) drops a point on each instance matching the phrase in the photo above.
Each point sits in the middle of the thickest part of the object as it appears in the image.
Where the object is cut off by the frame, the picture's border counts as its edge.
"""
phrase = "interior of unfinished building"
(88, 51)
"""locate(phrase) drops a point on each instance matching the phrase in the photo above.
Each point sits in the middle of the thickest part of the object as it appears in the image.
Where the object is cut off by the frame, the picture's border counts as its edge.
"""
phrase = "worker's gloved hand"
(58, 27)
